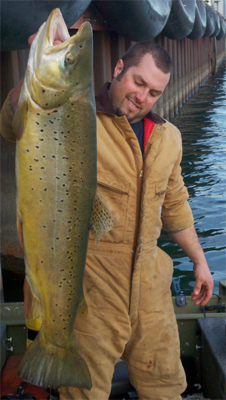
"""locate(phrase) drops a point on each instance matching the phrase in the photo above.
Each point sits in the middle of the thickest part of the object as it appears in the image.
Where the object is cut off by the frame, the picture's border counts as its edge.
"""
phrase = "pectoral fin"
(102, 220)
(20, 119)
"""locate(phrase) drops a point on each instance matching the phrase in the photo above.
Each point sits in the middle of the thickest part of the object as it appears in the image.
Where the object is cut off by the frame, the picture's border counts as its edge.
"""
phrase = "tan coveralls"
(127, 277)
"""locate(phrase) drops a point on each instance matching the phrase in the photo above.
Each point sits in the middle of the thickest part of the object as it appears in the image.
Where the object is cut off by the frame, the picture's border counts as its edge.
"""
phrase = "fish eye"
(69, 58)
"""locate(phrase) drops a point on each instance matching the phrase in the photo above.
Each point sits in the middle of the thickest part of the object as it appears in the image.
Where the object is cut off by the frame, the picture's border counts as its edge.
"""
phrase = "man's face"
(138, 90)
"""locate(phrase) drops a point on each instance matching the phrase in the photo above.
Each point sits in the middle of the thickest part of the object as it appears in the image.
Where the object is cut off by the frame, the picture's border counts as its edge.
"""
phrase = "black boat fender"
(222, 32)
(200, 21)
(210, 21)
(181, 19)
(20, 19)
(135, 20)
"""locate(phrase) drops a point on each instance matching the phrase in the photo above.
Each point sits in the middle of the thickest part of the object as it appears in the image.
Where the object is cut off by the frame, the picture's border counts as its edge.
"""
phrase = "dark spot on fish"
(68, 116)
(40, 201)
(37, 114)
(43, 90)
(41, 130)
(64, 175)
(60, 210)
(57, 238)
(37, 147)
(82, 162)
(47, 104)
(59, 144)
(40, 179)
(55, 111)
(28, 150)
(55, 132)
(55, 138)
(51, 122)
(37, 123)
(68, 131)
(44, 226)
(57, 177)
(35, 159)
(45, 189)
(41, 140)
(42, 167)
(42, 262)
(69, 299)
(53, 156)
(53, 320)
(56, 305)
(62, 270)
(64, 328)
(61, 201)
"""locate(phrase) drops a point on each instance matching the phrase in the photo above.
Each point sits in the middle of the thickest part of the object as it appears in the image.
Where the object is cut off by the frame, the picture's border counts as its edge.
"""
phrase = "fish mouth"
(57, 31)
(52, 31)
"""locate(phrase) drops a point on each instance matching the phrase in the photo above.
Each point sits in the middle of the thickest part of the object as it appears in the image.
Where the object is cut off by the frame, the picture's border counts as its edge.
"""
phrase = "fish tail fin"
(47, 365)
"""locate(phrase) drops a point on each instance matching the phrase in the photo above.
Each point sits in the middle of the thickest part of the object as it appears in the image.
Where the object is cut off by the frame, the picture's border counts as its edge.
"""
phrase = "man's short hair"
(135, 53)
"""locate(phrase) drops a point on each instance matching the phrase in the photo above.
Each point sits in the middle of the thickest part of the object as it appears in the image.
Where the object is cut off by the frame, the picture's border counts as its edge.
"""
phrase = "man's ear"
(118, 68)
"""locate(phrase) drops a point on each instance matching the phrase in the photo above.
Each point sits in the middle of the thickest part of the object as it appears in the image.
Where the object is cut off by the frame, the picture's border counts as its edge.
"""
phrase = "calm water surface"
(202, 122)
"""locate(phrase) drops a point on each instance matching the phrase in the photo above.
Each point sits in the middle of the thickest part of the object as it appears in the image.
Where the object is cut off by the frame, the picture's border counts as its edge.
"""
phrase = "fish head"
(56, 72)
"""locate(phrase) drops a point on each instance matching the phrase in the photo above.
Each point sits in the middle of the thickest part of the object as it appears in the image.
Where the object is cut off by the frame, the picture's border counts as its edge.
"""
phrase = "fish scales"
(55, 125)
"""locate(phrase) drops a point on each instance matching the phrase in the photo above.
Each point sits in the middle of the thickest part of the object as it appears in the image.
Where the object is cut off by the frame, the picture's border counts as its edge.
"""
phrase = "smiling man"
(134, 93)
(127, 276)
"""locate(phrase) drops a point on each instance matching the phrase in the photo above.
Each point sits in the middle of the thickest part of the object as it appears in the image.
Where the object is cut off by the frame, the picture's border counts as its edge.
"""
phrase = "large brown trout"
(55, 124)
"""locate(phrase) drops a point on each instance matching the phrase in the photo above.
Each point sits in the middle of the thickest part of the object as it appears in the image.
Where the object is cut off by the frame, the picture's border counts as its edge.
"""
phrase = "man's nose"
(141, 96)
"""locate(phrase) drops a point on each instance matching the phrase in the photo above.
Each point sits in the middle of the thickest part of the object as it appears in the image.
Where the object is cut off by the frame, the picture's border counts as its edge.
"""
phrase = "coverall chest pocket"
(116, 195)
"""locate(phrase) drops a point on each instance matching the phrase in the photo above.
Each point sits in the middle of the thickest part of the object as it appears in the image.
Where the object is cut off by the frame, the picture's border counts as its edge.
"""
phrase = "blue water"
(202, 122)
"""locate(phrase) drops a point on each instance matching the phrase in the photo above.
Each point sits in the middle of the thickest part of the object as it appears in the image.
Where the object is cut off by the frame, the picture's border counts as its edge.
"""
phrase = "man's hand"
(189, 242)
(203, 289)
